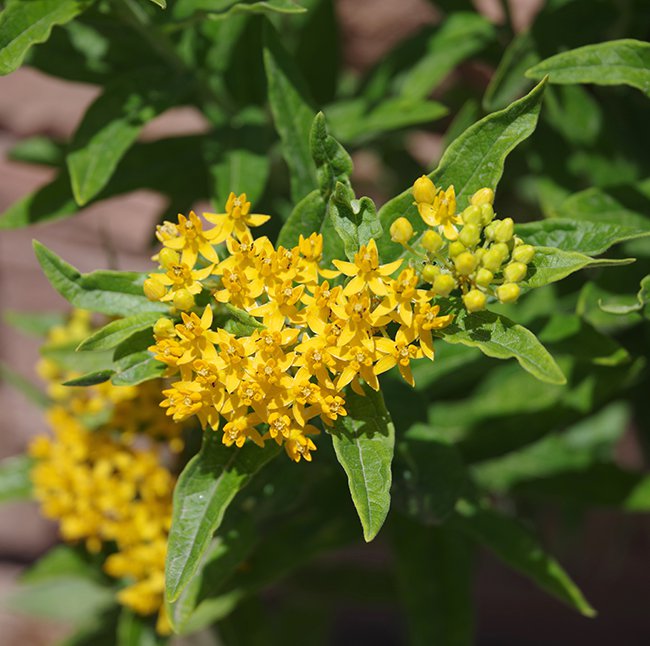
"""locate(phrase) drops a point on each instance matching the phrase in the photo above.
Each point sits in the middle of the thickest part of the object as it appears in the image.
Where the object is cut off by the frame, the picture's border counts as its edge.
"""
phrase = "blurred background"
(608, 554)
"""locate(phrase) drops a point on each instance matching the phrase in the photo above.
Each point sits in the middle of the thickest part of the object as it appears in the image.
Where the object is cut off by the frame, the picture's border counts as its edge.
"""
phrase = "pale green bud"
(465, 263)
(443, 284)
(470, 235)
(524, 253)
(456, 248)
(472, 215)
(429, 273)
(502, 249)
(474, 300)
(490, 229)
(508, 292)
(483, 196)
(492, 260)
(432, 241)
(484, 277)
(487, 214)
(514, 272)
(504, 230)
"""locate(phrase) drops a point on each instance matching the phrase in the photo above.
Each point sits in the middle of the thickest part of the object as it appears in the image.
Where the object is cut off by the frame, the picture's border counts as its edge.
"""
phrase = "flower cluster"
(108, 484)
(471, 252)
(311, 330)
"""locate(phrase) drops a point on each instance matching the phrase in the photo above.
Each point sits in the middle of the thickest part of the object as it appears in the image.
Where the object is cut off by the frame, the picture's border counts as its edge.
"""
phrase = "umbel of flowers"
(312, 330)
(103, 474)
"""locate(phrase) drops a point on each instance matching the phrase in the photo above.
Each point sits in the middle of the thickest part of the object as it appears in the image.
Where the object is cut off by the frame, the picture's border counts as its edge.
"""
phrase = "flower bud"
(163, 328)
(424, 190)
(429, 273)
(508, 292)
(490, 229)
(183, 300)
(524, 253)
(474, 300)
(492, 260)
(502, 249)
(514, 272)
(443, 284)
(168, 257)
(432, 241)
(487, 214)
(153, 290)
(483, 196)
(401, 231)
(504, 230)
(472, 215)
(456, 248)
(484, 277)
(465, 263)
(470, 235)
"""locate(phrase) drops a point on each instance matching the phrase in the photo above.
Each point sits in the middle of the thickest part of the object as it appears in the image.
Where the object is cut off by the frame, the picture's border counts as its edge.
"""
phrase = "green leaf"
(220, 9)
(67, 358)
(204, 490)
(434, 574)
(364, 441)
(292, 113)
(550, 265)
(621, 306)
(332, 161)
(459, 36)
(36, 324)
(355, 221)
(38, 150)
(474, 160)
(115, 332)
(236, 321)
(109, 292)
(23, 385)
(161, 3)
(64, 561)
(24, 24)
(499, 337)
(112, 124)
(521, 551)
(91, 378)
(429, 477)
(133, 362)
(135, 630)
(588, 238)
(15, 483)
(615, 62)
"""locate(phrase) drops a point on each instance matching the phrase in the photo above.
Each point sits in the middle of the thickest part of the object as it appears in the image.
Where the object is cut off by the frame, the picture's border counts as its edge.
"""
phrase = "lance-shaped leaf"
(474, 160)
(116, 293)
(434, 575)
(355, 221)
(616, 62)
(133, 362)
(292, 114)
(133, 629)
(225, 8)
(15, 483)
(115, 332)
(499, 337)
(364, 440)
(23, 385)
(91, 378)
(112, 124)
(203, 492)
(550, 265)
(24, 24)
(521, 551)
(332, 161)
(629, 304)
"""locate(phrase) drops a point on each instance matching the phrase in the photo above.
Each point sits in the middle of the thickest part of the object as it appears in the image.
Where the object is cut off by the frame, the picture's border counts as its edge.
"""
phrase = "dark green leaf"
(434, 573)
(109, 292)
(24, 24)
(474, 160)
(332, 161)
(615, 62)
(204, 490)
(115, 332)
(135, 630)
(220, 9)
(364, 441)
(292, 114)
(15, 483)
(91, 378)
(519, 549)
(133, 362)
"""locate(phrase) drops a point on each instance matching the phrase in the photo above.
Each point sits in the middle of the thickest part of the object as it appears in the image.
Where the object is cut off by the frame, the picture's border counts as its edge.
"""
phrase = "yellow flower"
(236, 219)
(442, 212)
(181, 276)
(191, 240)
(397, 353)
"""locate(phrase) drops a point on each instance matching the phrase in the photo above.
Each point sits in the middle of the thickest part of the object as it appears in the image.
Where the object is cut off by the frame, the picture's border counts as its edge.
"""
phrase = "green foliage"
(14, 479)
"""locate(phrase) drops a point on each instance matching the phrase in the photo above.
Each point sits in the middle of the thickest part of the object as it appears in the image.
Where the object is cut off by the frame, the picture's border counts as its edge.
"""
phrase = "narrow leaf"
(636, 305)
(203, 492)
(36, 324)
(364, 441)
(108, 292)
(115, 332)
(615, 62)
(91, 378)
(24, 24)
(15, 483)
(23, 385)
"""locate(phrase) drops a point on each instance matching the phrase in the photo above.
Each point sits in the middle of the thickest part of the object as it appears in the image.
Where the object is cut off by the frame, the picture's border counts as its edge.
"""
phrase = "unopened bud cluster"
(471, 252)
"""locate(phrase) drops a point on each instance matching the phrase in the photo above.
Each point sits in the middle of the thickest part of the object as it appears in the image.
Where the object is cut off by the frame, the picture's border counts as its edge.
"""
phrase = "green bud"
(524, 253)
(443, 284)
(429, 273)
(508, 292)
(484, 277)
(502, 249)
(483, 196)
(465, 263)
(432, 241)
(492, 260)
(514, 272)
(504, 230)
(487, 214)
(490, 229)
(163, 328)
(474, 300)
(472, 215)
(470, 235)
(456, 248)
(183, 300)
